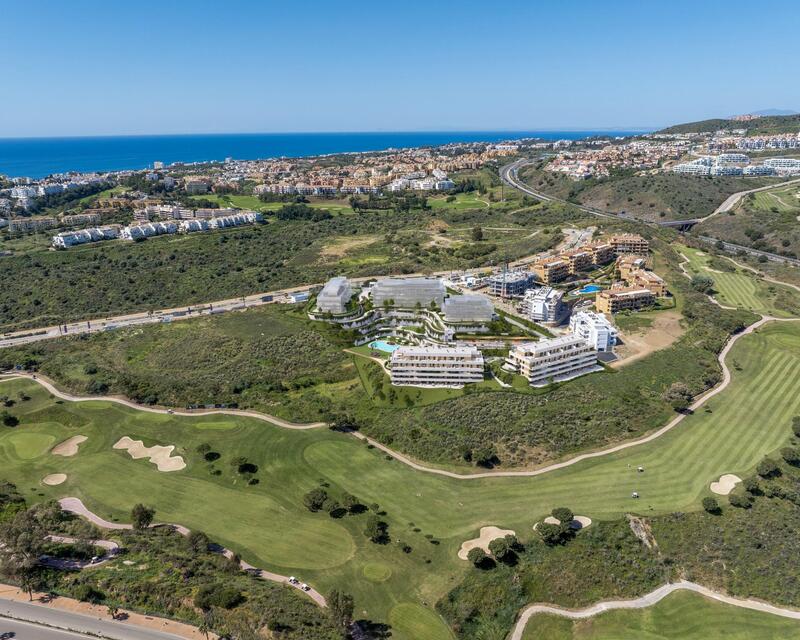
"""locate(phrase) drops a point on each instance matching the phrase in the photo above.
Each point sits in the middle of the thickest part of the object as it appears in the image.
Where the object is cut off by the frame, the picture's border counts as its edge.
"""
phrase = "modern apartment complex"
(510, 284)
(579, 259)
(335, 295)
(552, 360)
(602, 252)
(595, 328)
(436, 366)
(408, 292)
(468, 308)
(552, 270)
(618, 299)
(544, 304)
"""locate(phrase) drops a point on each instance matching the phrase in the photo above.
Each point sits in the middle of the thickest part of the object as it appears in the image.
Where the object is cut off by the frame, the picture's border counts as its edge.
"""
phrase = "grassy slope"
(766, 220)
(740, 288)
(760, 126)
(677, 197)
(680, 616)
(270, 527)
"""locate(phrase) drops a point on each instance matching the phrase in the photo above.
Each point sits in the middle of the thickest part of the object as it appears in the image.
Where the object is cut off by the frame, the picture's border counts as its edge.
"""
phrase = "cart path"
(698, 402)
(647, 600)
(76, 506)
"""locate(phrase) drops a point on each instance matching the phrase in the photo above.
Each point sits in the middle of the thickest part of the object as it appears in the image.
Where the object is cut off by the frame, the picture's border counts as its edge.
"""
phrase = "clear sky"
(87, 67)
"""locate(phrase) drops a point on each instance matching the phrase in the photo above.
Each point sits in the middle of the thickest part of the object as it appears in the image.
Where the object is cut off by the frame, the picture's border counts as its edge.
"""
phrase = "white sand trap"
(725, 484)
(583, 521)
(54, 478)
(578, 522)
(69, 447)
(487, 535)
(551, 520)
(158, 455)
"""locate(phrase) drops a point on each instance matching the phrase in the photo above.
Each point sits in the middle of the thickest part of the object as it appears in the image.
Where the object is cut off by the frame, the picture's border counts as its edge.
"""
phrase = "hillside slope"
(759, 126)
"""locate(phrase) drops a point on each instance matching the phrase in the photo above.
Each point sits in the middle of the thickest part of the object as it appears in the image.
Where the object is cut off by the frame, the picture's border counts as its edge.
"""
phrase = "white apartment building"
(732, 158)
(408, 292)
(691, 168)
(552, 360)
(67, 239)
(787, 163)
(335, 295)
(468, 308)
(726, 170)
(436, 366)
(758, 170)
(544, 305)
(595, 328)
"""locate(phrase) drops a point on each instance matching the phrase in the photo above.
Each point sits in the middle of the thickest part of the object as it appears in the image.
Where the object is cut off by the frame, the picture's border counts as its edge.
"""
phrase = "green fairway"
(741, 288)
(268, 525)
(682, 615)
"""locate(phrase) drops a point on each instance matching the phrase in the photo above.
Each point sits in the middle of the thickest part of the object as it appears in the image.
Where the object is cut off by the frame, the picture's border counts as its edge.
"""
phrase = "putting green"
(376, 572)
(269, 526)
(680, 616)
(416, 621)
(29, 445)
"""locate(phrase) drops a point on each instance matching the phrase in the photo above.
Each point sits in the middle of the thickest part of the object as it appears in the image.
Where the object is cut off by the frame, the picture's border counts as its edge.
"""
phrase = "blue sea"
(38, 157)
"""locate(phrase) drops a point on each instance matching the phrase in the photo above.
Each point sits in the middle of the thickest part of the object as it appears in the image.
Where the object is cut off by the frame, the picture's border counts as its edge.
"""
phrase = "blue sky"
(93, 68)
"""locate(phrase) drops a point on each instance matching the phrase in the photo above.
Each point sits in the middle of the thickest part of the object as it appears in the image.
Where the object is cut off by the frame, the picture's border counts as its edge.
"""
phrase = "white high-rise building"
(595, 328)
(552, 360)
(544, 305)
(436, 366)
(408, 292)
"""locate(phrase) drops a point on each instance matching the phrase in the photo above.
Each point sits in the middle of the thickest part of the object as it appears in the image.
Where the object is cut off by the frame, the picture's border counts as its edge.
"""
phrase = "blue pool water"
(590, 288)
(380, 345)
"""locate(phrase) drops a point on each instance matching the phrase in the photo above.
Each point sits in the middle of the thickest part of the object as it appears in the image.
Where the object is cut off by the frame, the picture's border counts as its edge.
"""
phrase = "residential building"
(511, 284)
(299, 296)
(544, 304)
(335, 296)
(196, 187)
(649, 280)
(630, 243)
(468, 309)
(31, 225)
(80, 218)
(628, 263)
(552, 359)
(434, 366)
(551, 270)
(408, 292)
(602, 252)
(579, 259)
(595, 328)
(618, 299)
(67, 239)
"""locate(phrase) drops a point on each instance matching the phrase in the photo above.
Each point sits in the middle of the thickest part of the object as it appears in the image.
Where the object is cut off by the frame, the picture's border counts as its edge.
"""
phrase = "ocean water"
(38, 157)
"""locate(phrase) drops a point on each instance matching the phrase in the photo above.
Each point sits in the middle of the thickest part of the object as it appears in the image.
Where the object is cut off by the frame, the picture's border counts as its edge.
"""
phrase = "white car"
(305, 587)
(293, 580)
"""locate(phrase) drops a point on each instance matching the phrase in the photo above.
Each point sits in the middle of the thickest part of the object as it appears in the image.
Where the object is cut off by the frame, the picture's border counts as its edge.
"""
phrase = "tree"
(563, 514)
(796, 426)
(768, 468)
(551, 533)
(315, 499)
(703, 284)
(737, 500)
(499, 548)
(477, 556)
(376, 530)
(9, 420)
(477, 234)
(340, 605)
(751, 485)
(22, 541)
(198, 541)
(791, 456)
(678, 395)
(710, 504)
(142, 516)
(204, 448)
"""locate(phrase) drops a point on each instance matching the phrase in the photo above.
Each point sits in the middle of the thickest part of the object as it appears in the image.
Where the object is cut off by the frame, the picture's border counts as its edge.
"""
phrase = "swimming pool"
(591, 288)
(380, 345)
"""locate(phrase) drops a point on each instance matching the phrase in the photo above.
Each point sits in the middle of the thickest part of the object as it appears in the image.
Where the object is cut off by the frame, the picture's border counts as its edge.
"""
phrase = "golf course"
(261, 515)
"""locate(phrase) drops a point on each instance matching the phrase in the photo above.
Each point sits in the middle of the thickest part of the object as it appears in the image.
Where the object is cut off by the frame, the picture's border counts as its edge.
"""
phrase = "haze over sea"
(38, 157)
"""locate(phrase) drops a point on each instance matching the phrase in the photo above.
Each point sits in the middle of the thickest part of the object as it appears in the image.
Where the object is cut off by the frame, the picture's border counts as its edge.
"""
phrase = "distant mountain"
(767, 124)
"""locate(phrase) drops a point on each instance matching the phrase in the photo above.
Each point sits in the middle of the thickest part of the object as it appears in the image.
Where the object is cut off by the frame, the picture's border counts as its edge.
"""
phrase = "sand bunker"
(578, 522)
(158, 455)
(54, 478)
(68, 447)
(487, 535)
(725, 484)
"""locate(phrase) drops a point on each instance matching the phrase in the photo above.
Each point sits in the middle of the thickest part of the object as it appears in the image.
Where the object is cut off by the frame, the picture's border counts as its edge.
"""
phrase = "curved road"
(645, 601)
(698, 402)
(76, 506)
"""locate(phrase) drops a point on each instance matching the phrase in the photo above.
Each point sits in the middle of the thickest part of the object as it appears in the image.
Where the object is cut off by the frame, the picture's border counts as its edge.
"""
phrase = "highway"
(30, 621)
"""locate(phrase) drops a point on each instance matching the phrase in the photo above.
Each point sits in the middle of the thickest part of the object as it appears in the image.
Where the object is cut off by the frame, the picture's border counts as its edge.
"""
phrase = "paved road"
(647, 600)
(36, 622)
(733, 199)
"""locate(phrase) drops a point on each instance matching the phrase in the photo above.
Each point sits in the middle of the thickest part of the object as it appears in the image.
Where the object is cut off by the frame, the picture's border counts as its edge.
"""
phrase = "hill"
(759, 126)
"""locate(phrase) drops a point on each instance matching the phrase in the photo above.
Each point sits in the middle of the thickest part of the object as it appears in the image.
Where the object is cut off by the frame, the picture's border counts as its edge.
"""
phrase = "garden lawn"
(680, 616)
(269, 526)
(741, 288)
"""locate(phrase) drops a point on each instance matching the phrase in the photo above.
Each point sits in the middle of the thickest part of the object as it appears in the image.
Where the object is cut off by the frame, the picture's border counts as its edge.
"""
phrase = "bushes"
(738, 500)
(87, 593)
(711, 505)
(217, 595)
(315, 499)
